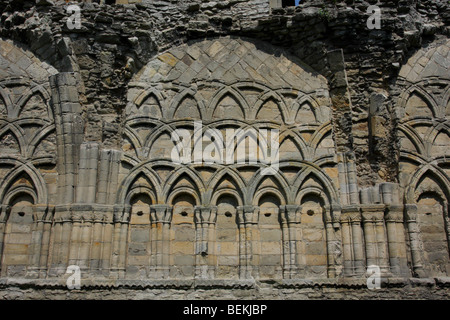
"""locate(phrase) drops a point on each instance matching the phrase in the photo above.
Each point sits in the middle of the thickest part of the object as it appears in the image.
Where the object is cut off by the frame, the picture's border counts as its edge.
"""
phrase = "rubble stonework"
(87, 117)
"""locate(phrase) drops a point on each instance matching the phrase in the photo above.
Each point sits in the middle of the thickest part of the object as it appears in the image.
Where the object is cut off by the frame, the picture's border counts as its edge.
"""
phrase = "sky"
(297, 2)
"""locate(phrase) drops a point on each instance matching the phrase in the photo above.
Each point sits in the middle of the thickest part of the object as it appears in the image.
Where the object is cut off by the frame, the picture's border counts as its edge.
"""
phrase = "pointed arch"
(412, 136)
(141, 97)
(28, 95)
(39, 137)
(198, 186)
(35, 177)
(232, 173)
(302, 146)
(435, 130)
(313, 106)
(127, 183)
(324, 180)
(423, 95)
(7, 100)
(257, 179)
(320, 134)
(18, 134)
(235, 95)
(179, 99)
(262, 100)
(422, 171)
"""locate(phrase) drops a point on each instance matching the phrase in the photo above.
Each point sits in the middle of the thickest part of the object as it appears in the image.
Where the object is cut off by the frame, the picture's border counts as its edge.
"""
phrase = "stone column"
(396, 240)
(205, 220)
(353, 241)
(61, 235)
(121, 221)
(447, 221)
(4, 214)
(45, 246)
(160, 217)
(69, 132)
(107, 243)
(347, 178)
(290, 221)
(108, 168)
(334, 245)
(97, 241)
(80, 242)
(374, 235)
(416, 243)
(39, 213)
(248, 217)
(87, 173)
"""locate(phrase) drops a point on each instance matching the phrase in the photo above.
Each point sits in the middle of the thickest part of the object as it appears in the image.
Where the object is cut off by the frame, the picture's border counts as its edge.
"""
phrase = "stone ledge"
(205, 284)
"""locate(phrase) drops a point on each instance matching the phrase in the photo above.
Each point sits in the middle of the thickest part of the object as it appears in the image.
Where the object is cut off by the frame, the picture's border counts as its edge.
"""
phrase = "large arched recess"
(424, 174)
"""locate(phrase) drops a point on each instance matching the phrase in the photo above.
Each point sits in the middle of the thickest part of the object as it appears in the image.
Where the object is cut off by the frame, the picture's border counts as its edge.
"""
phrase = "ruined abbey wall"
(87, 178)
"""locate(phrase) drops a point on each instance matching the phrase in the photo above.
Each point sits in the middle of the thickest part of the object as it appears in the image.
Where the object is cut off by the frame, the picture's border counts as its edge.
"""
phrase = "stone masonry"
(88, 118)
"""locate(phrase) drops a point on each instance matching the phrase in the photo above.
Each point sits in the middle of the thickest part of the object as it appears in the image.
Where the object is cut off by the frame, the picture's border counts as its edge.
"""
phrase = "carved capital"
(206, 215)
(63, 214)
(350, 214)
(372, 213)
(290, 214)
(120, 214)
(394, 213)
(160, 213)
(336, 212)
(248, 214)
(410, 212)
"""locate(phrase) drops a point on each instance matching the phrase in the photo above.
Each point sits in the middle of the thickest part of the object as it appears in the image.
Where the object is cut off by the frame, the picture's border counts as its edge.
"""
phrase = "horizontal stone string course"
(357, 181)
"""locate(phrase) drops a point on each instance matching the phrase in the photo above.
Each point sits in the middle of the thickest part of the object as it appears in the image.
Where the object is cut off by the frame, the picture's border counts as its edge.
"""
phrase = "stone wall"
(86, 174)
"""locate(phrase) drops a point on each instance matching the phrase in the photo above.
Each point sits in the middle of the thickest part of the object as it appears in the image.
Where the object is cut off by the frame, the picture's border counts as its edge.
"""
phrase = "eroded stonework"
(87, 178)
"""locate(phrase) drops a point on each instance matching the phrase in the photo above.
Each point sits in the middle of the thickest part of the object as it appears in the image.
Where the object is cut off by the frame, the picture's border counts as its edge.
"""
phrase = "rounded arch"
(226, 193)
(269, 192)
(183, 191)
(134, 192)
(13, 194)
(314, 191)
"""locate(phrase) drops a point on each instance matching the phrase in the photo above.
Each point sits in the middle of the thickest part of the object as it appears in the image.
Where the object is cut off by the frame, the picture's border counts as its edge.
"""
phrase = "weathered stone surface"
(87, 118)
